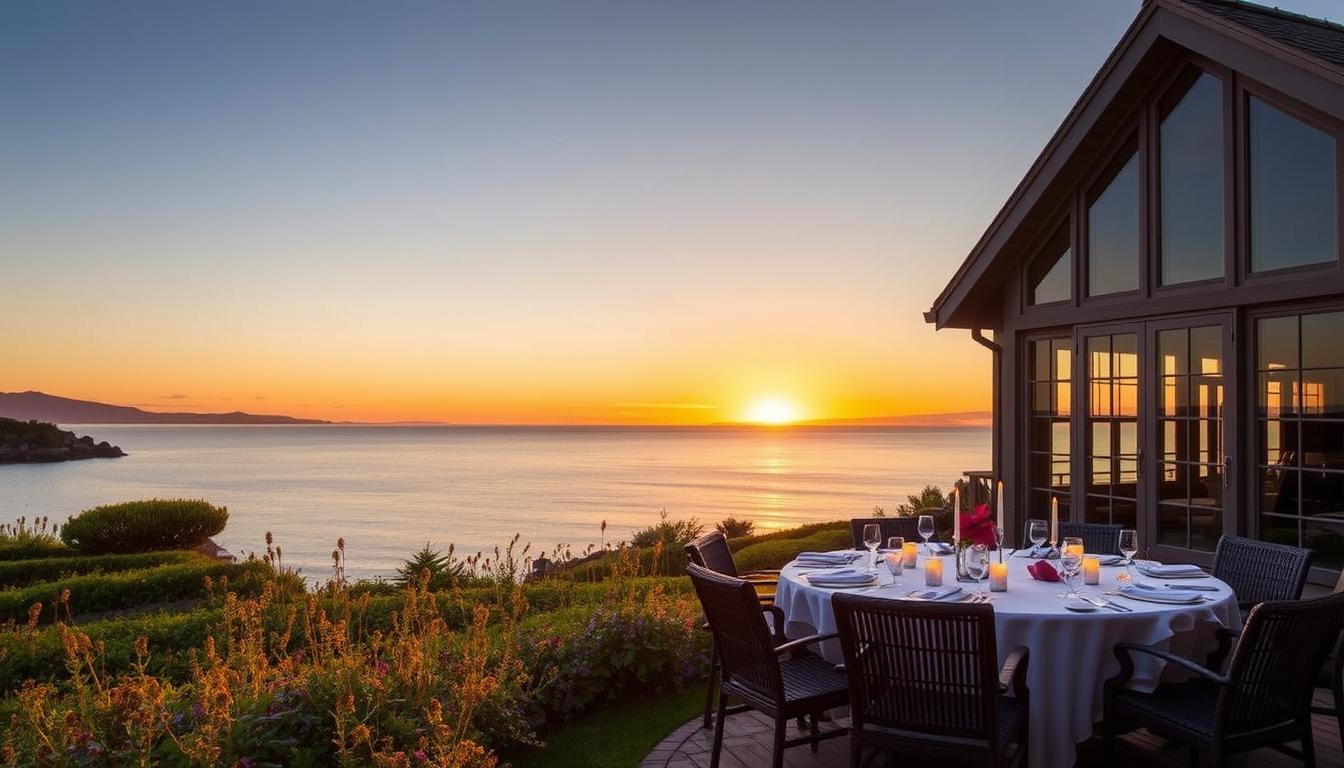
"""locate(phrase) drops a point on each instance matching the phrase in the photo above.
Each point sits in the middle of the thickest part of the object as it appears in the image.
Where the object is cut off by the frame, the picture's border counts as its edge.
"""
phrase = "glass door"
(1111, 435)
(1190, 465)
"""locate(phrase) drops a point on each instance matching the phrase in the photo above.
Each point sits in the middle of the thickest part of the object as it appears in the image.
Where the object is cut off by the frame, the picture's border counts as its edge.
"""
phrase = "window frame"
(1062, 219)
(1132, 145)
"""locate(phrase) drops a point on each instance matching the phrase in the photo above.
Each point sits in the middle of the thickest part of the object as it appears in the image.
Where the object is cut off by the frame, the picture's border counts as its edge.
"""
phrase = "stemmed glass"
(926, 530)
(977, 564)
(1038, 534)
(872, 537)
(1129, 547)
(895, 557)
(1071, 557)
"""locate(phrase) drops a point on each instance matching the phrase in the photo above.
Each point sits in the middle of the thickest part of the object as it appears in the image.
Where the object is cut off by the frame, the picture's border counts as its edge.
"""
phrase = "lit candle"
(1091, 570)
(956, 516)
(933, 572)
(1054, 520)
(998, 508)
(998, 577)
(910, 553)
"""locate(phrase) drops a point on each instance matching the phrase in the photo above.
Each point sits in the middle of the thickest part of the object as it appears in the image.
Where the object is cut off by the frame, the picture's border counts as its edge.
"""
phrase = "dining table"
(1071, 652)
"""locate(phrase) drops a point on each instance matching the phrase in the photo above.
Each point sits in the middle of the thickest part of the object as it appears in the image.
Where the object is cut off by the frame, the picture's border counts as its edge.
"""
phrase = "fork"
(1106, 604)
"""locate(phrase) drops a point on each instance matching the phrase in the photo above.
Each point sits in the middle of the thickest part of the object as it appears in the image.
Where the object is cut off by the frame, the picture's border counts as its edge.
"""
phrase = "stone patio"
(747, 744)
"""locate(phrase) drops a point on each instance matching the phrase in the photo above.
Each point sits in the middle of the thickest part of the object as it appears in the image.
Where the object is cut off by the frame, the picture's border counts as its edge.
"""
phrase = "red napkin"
(978, 526)
(1043, 571)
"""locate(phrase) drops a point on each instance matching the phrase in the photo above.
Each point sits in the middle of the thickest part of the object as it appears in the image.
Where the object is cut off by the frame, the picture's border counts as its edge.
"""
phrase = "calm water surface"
(388, 490)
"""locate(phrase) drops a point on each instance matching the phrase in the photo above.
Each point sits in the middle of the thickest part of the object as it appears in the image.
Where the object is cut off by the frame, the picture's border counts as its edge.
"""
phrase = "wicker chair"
(711, 551)
(1331, 676)
(924, 680)
(1258, 570)
(1262, 700)
(782, 681)
(1098, 538)
(905, 527)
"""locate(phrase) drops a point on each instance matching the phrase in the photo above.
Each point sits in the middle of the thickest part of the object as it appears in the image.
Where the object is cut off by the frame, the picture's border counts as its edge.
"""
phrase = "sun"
(772, 411)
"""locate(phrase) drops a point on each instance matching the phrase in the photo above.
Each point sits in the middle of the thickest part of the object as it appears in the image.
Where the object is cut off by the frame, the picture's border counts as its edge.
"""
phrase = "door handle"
(1227, 471)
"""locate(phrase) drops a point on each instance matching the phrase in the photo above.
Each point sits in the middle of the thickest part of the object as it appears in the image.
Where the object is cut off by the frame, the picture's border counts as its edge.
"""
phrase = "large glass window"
(1300, 432)
(1191, 172)
(1294, 202)
(1190, 437)
(1050, 377)
(1112, 436)
(1051, 274)
(1113, 234)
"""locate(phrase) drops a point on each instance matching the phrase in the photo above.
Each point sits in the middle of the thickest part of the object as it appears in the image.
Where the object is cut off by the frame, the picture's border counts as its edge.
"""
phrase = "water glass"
(1039, 532)
(872, 537)
(977, 563)
(1129, 547)
(926, 529)
(895, 557)
(1071, 558)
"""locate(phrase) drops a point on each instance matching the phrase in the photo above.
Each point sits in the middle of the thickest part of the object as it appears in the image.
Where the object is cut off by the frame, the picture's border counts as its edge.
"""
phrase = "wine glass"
(1129, 547)
(1071, 558)
(872, 537)
(895, 557)
(1038, 533)
(926, 530)
(977, 563)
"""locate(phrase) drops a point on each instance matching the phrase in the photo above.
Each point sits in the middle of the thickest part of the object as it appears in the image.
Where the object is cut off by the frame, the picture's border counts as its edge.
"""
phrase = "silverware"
(1192, 587)
(1106, 604)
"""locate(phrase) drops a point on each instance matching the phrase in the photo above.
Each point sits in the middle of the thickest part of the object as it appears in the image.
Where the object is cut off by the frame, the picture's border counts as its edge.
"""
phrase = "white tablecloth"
(1071, 653)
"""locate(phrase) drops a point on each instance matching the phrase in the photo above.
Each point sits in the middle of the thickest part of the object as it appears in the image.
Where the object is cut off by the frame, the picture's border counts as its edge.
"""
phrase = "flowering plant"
(978, 527)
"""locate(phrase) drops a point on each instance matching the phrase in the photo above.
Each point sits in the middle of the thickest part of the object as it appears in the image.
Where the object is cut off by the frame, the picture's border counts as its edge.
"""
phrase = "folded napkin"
(827, 558)
(936, 593)
(1174, 570)
(1159, 594)
(843, 577)
(1043, 571)
(941, 548)
(1111, 559)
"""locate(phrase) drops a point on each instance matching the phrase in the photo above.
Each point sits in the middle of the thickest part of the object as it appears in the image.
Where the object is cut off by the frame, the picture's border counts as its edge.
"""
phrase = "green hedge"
(774, 553)
(144, 526)
(22, 573)
(801, 532)
(33, 548)
(98, 592)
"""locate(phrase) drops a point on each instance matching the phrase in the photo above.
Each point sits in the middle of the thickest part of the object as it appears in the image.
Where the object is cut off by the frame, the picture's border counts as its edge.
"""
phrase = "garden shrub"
(732, 528)
(775, 553)
(801, 532)
(20, 573)
(144, 526)
(98, 592)
(26, 539)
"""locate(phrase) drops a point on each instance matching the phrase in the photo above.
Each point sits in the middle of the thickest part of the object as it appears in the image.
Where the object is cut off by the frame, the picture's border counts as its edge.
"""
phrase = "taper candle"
(998, 507)
(1054, 520)
(956, 516)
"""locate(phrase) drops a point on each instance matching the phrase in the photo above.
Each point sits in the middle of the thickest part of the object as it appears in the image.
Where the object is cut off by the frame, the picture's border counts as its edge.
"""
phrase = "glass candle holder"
(933, 572)
(998, 577)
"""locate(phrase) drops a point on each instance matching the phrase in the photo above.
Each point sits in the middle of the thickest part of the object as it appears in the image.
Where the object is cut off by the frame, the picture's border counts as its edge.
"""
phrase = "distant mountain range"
(39, 406)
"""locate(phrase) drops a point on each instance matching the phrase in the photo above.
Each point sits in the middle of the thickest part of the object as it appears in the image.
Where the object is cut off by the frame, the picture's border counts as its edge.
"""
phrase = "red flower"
(978, 526)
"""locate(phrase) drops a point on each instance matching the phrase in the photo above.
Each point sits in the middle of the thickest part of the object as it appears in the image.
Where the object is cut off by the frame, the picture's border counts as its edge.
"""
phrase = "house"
(1165, 291)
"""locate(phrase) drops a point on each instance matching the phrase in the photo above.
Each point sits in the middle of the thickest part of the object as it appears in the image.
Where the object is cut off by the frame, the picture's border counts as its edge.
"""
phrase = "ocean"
(389, 490)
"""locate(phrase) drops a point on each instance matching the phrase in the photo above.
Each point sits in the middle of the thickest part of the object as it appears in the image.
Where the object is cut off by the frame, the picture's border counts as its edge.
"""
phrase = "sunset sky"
(516, 211)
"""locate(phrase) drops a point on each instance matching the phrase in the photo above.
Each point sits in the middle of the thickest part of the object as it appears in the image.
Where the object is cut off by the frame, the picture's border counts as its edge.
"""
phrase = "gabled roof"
(1213, 28)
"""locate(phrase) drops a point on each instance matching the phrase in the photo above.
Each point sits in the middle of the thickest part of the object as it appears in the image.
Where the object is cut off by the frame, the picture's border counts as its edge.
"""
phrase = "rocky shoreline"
(33, 442)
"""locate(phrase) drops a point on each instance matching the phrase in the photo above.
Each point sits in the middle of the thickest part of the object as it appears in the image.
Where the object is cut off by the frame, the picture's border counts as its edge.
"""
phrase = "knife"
(1192, 587)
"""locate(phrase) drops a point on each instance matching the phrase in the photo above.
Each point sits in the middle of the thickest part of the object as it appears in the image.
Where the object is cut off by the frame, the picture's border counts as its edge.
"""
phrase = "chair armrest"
(1123, 651)
(778, 614)
(1013, 676)
(803, 642)
(761, 574)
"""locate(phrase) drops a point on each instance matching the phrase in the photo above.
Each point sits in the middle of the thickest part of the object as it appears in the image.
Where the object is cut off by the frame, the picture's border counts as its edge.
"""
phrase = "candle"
(910, 553)
(933, 572)
(1091, 570)
(998, 508)
(1054, 520)
(956, 516)
(998, 577)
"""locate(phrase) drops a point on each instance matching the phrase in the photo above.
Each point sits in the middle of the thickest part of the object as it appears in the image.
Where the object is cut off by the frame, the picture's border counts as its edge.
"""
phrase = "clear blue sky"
(514, 208)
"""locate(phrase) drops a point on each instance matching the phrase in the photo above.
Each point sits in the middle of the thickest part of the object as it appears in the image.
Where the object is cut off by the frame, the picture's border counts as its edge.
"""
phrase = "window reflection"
(1191, 183)
(1113, 234)
(1112, 435)
(1190, 489)
(1294, 201)
(1049, 439)
(1051, 274)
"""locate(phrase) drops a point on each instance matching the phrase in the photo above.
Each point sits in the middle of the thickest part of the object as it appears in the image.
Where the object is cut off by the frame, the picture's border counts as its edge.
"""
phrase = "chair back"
(1098, 538)
(1259, 570)
(1274, 667)
(920, 667)
(746, 648)
(905, 527)
(711, 551)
